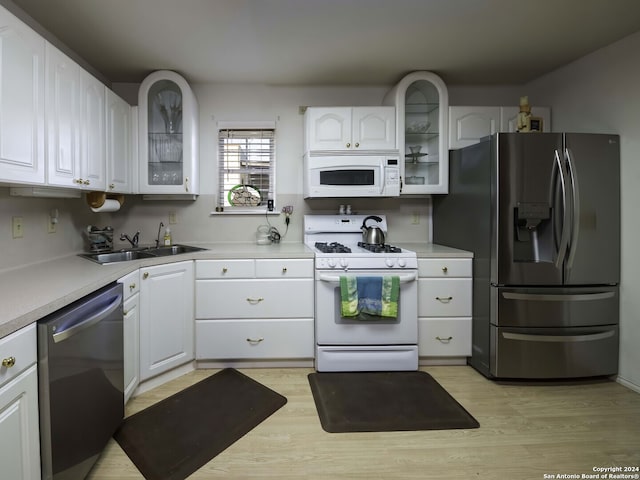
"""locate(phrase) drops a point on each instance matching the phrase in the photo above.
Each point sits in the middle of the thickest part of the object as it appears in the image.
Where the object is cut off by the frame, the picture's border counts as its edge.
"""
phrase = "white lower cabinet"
(19, 428)
(131, 340)
(254, 309)
(166, 317)
(444, 307)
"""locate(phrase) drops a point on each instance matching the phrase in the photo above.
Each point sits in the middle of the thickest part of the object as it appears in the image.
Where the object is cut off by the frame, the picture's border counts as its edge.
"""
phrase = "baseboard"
(164, 378)
(285, 363)
(442, 361)
(628, 384)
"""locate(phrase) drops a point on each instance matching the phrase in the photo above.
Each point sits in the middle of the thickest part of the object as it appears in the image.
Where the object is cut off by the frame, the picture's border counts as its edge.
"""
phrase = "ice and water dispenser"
(533, 232)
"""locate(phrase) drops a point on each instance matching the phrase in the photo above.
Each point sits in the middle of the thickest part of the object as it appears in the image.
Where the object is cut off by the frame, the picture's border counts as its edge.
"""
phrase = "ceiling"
(334, 42)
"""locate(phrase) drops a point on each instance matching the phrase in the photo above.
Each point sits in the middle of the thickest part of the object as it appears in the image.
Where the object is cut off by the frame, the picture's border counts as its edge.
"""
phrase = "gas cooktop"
(337, 242)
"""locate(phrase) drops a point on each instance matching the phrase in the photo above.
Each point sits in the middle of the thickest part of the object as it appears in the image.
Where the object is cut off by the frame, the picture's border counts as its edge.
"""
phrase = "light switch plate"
(16, 227)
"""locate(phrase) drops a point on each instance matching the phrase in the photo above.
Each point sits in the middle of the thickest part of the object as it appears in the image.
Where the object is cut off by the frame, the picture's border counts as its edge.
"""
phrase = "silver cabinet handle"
(445, 270)
(444, 340)
(444, 299)
(540, 297)
(255, 341)
(145, 275)
(9, 362)
(132, 286)
(589, 337)
(284, 269)
(254, 301)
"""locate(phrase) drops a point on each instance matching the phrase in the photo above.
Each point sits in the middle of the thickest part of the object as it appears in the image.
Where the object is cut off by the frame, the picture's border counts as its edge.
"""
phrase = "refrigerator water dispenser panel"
(532, 232)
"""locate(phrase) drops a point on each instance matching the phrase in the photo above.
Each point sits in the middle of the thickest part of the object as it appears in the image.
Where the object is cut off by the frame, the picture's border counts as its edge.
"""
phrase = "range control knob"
(331, 262)
(389, 262)
(402, 262)
(344, 263)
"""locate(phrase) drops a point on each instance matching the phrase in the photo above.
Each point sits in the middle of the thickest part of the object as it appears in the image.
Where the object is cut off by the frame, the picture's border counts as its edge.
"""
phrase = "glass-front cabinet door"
(422, 104)
(168, 116)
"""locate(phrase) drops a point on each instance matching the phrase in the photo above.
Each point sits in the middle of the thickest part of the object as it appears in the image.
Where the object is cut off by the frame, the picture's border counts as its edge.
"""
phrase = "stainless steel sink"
(139, 253)
(113, 257)
(173, 250)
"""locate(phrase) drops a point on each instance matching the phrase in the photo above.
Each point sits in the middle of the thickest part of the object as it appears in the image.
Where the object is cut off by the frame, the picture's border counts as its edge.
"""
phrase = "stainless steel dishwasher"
(80, 382)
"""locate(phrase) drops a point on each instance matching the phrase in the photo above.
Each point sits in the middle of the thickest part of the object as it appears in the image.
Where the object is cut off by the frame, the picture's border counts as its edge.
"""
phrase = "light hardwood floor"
(526, 431)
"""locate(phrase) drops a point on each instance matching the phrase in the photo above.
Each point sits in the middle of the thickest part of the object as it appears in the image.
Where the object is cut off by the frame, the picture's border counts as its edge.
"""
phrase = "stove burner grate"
(380, 248)
(333, 247)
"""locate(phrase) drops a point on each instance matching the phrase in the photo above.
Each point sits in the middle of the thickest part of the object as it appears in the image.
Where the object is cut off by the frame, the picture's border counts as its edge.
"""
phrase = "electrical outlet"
(51, 225)
(415, 218)
(16, 227)
(173, 218)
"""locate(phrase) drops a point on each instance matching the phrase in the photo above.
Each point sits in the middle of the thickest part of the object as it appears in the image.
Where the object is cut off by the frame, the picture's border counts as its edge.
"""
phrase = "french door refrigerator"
(541, 213)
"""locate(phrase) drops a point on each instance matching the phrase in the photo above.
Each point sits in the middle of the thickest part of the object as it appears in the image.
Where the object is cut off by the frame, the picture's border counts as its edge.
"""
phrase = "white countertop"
(34, 291)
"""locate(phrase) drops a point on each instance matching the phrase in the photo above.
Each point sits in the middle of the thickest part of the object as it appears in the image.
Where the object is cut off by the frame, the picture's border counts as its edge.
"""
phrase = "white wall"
(601, 93)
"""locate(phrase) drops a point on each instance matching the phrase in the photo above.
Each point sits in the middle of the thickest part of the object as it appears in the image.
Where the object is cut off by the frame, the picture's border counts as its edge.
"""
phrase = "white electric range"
(345, 344)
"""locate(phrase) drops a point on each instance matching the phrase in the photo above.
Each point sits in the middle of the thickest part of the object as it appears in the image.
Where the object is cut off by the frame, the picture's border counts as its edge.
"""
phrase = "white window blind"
(246, 167)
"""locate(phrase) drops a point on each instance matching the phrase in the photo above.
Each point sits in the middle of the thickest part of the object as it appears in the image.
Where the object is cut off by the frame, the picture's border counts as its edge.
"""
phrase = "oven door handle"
(336, 278)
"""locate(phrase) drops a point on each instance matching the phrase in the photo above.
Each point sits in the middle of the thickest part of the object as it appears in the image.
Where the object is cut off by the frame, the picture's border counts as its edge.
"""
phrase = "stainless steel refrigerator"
(541, 213)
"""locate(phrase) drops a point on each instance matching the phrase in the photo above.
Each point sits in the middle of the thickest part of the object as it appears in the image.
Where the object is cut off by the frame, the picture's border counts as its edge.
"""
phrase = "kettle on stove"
(374, 234)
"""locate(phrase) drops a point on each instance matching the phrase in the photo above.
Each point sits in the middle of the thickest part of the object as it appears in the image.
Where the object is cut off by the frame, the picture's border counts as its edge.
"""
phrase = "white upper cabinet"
(168, 135)
(422, 107)
(75, 124)
(349, 129)
(92, 139)
(22, 53)
(468, 124)
(118, 144)
(63, 119)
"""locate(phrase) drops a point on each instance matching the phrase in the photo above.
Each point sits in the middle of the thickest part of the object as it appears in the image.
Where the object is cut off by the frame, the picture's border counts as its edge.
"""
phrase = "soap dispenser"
(167, 237)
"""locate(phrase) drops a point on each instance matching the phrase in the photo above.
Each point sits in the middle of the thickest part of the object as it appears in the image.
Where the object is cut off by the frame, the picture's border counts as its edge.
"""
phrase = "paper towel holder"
(97, 200)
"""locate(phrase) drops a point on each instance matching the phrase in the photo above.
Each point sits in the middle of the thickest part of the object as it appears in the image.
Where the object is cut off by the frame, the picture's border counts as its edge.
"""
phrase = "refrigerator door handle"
(559, 338)
(559, 297)
(564, 239)
(575, 207)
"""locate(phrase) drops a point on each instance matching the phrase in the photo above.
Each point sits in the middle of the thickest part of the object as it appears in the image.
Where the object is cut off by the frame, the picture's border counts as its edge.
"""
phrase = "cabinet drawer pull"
(225, 269)
(9, 362)
(132, 286)
(254, 301)
(255, 341)
(445, 269)
(444, 340)
(284, 269)
(145, 275)
(444, 299)
(357, 145)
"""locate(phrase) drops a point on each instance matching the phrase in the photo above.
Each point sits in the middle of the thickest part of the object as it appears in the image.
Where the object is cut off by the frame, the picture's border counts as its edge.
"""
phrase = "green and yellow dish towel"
(372, 296)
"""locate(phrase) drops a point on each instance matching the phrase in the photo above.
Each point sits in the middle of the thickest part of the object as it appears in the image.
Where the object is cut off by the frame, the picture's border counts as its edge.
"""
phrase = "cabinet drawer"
(284, 268)
(18, 350)
(225, 269)
(130, 284)
(444, 267)
(444, 337)
(254, 298)
(245, 339)
(444, 297)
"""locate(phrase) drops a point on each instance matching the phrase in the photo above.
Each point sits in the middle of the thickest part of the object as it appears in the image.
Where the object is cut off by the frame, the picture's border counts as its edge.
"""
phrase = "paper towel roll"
(109, 205)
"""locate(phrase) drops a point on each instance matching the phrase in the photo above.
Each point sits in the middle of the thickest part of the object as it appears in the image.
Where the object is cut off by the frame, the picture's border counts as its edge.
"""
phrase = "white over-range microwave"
(351, 176)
